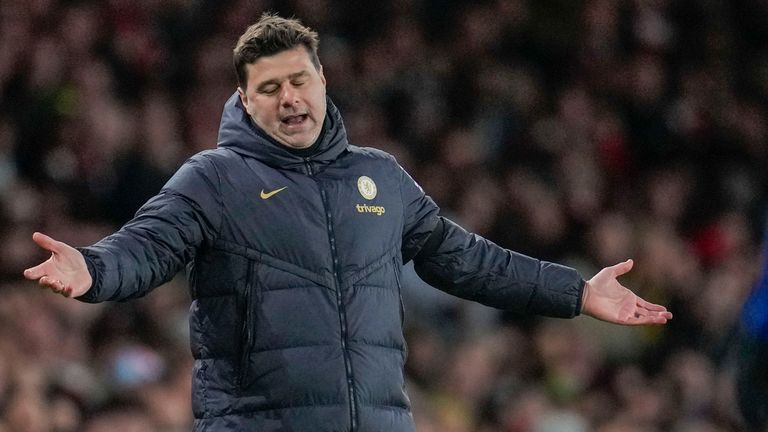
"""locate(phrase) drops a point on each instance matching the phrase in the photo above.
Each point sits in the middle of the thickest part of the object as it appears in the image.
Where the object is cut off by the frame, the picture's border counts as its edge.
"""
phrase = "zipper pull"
(308, 165)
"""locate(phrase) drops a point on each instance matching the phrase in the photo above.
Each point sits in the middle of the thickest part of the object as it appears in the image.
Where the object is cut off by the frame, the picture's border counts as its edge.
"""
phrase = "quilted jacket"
(294, 267)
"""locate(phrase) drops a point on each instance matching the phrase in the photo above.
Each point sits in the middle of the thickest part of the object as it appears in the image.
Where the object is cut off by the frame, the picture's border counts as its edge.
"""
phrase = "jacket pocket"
(249, 303)
(397, 269)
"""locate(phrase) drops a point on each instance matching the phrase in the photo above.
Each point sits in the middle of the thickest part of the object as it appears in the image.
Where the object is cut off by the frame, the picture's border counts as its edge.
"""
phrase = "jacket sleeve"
(163, 236)
(420, 216)
(468, 266)
(471, 267)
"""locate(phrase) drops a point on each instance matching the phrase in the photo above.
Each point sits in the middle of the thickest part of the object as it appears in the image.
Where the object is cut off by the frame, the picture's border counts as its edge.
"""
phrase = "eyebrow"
(276, 81)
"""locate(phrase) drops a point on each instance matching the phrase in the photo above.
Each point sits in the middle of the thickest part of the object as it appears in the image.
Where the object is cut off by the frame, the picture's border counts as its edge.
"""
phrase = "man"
(295, 241)
(752, 373)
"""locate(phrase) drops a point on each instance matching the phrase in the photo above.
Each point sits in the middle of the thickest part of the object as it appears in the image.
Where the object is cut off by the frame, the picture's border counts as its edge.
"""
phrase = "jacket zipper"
(339, 302)
(247, 326)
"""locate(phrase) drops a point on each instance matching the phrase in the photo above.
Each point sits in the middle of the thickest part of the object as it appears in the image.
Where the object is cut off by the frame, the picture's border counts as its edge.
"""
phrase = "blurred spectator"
(588, 132)
(753, 350)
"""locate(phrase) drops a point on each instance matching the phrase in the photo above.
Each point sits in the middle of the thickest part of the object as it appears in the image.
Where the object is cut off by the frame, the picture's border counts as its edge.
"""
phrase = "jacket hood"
(239, 133)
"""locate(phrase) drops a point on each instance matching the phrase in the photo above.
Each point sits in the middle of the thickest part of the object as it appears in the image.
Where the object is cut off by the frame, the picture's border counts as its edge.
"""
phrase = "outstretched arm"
(606, 299)
(65, 272)
(147, 251)
(468, 266)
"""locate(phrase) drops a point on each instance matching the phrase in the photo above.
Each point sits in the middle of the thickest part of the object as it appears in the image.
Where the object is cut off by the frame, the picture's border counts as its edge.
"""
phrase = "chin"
(302, 143)
(297, 145)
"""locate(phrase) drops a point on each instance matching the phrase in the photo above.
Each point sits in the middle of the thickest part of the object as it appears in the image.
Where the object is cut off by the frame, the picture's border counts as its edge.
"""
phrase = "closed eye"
(269, 90)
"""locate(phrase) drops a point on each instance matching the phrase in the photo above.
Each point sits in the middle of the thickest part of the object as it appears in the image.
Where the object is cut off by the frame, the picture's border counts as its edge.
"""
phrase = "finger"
(622, 268)
(46, 282)
(654, 313)
(645, 308)
(37, 271)
(650, 306)
(56, 286)
(47, 243)
(645, 320)
(639, 319)
(53, 284)
(642, 313)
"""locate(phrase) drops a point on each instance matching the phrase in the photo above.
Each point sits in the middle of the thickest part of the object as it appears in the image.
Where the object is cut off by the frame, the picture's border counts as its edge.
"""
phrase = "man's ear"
(322, 77)
(243, 97)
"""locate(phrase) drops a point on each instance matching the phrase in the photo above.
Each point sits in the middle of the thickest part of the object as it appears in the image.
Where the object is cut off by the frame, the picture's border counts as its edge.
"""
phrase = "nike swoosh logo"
(267, 195)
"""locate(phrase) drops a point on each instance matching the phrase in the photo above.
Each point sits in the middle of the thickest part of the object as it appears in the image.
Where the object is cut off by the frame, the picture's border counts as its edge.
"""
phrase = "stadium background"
(583, 132)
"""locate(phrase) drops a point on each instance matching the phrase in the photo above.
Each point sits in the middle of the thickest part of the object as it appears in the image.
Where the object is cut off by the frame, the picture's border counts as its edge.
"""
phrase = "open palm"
(607, 300)
(65, 272)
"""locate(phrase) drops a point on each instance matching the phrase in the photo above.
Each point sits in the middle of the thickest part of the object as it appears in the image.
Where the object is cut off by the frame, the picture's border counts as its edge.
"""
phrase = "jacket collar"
(239, 133)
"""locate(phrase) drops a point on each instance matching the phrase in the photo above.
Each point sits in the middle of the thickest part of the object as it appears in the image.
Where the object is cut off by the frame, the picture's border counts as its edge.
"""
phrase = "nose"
(289, 96)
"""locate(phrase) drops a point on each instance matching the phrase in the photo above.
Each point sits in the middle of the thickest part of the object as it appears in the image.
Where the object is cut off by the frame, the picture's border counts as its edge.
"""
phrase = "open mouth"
(296, 119)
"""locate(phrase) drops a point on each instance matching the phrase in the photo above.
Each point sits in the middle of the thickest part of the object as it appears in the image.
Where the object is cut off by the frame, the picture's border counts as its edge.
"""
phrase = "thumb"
(623, 267)
(46, 242)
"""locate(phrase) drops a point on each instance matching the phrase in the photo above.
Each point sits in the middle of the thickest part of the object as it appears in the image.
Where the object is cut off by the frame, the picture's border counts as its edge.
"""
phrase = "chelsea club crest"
(367, 187)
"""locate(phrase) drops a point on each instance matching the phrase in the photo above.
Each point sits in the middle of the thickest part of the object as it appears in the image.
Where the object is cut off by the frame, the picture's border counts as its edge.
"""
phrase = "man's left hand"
(608, 300)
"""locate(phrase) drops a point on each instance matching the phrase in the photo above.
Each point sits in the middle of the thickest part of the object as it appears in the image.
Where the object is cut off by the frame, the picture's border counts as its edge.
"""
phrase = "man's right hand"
(64, 272)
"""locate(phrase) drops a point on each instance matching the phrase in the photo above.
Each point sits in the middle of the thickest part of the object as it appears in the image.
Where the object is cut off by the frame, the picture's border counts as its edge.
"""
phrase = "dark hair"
(270, 35)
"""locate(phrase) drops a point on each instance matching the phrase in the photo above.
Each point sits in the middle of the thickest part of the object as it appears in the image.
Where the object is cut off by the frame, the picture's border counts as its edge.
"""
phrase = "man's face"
(285, 96)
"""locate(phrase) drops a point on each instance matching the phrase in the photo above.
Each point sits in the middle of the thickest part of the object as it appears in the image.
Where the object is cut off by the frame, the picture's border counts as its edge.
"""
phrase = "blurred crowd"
(583, 132)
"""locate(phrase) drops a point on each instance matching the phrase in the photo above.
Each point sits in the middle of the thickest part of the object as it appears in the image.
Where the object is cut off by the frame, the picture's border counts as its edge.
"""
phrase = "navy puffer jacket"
(294, 269)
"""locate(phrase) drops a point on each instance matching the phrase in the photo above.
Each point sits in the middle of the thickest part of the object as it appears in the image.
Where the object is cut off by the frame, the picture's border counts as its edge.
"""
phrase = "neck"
(306, 151)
